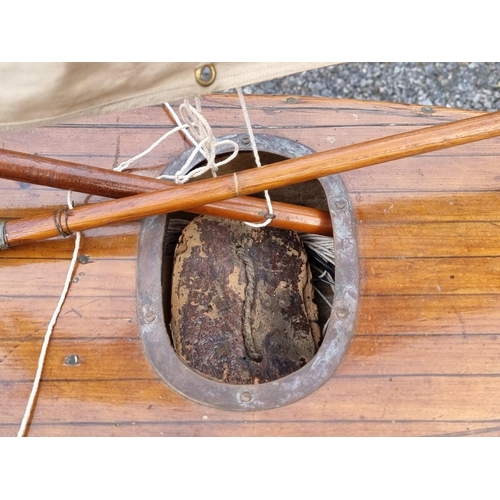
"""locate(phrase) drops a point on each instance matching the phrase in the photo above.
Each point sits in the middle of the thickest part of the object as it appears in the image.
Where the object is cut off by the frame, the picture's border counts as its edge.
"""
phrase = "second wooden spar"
(293, 171)
(23, 167)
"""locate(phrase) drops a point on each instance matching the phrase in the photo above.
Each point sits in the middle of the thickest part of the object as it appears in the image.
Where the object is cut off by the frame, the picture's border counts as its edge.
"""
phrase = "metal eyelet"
(205, 75)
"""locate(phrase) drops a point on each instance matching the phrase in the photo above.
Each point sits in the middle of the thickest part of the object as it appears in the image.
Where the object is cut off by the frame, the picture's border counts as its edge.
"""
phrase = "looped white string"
(270, 214)
(124, 165)
(204, 141)
(50, 329)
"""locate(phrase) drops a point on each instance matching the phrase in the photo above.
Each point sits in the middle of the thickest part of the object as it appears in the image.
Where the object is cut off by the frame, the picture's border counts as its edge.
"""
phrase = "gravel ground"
(452, 84)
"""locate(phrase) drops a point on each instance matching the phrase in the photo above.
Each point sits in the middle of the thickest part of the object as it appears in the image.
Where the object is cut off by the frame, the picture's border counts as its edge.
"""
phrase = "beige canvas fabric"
(35, 94)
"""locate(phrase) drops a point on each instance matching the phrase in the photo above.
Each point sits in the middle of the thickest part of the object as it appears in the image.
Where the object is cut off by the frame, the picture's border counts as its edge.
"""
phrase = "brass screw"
(205, 75)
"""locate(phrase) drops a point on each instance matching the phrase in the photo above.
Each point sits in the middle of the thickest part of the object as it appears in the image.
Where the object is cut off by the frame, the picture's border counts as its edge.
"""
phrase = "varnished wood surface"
(251, 181)
(425, 359)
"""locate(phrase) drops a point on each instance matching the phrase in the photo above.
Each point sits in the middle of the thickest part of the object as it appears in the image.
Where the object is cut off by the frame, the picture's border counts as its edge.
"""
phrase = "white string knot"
(202, 137)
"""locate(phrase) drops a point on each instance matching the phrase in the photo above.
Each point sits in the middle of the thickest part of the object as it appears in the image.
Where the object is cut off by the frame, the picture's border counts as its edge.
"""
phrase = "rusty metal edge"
(151, 318)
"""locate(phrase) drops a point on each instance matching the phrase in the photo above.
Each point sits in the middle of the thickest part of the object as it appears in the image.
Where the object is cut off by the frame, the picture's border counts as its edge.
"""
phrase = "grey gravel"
(466, 85)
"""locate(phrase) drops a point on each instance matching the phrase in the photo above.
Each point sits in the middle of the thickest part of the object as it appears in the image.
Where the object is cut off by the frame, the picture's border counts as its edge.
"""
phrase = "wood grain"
(424, 360)
(368, 356)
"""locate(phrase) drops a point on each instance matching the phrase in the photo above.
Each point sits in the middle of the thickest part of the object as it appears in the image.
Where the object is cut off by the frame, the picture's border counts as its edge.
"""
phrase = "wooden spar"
(279, 174)
(50, 172)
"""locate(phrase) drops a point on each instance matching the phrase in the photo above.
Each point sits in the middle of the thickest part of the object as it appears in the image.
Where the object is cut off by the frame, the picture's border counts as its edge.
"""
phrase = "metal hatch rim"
(245, 397)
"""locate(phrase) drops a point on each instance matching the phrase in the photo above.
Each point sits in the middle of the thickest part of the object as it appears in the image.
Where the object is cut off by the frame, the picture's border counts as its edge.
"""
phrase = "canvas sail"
(35, 94)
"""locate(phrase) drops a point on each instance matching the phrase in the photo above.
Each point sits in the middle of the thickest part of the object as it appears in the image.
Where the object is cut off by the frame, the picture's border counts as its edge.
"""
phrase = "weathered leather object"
(242, 301)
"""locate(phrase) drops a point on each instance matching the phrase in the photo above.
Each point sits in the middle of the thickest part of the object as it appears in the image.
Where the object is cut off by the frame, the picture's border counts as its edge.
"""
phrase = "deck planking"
(425, 359)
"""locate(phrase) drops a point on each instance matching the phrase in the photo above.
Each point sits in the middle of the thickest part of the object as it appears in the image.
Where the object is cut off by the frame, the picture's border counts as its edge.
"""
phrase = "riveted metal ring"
(153, 277)
(4, 244)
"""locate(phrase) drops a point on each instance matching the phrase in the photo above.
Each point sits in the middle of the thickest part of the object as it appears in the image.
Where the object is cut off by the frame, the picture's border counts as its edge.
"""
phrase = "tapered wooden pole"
(279, 174)
(23, 167)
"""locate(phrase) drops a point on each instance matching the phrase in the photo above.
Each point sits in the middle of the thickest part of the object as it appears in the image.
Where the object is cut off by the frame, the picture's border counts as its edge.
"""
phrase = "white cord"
(257, 161)
(204, 141)
(124, 165)
(50, 328)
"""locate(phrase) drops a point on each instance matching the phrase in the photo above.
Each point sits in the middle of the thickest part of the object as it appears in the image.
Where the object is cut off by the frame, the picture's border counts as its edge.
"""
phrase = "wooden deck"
(425, 359)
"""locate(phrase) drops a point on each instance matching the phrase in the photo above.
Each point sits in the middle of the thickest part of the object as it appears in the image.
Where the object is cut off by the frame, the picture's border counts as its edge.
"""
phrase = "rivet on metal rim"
(427, 109)
(340, 205)
(205, 75)
(246, 397)
(150, 316)
(245, 140)
(342, 313)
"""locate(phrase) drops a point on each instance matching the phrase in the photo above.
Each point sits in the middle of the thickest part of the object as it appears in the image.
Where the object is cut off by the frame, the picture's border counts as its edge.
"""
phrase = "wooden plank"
(116, 144)
(37, 200)
(423, 206)
(320, 104)
(81, 317)
(411, 355)
(438, 239)
(402, 398)
(221, 106)
(99, 359)
(429, 314)
(86, 317)
(206, 428)
(265, 113)
(98, 146)
(368, 356)
(427, 173)
(430, 276)
(41, 278)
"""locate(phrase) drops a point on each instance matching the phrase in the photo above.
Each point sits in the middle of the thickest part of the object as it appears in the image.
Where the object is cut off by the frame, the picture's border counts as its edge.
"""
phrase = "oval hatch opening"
(220, 326)
(159, 236)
